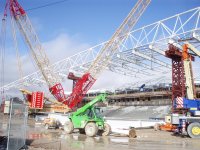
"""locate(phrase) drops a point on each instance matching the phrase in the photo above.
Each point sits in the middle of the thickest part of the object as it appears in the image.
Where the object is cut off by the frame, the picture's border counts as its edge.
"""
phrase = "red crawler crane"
(84, 83)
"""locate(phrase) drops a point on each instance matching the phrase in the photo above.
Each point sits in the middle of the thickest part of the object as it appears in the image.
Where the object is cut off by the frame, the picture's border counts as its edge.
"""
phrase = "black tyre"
(68, 127)
(193, 130)
(91, 129)
(107, 130)
(82, 131)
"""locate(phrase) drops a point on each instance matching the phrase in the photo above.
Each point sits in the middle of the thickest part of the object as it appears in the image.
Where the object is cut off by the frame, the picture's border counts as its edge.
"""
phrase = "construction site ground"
(38, 138)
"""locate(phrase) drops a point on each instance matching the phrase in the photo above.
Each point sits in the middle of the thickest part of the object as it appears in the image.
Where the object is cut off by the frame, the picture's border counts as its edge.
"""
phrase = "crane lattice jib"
(106, 53)
(120, 35)
(36, 49)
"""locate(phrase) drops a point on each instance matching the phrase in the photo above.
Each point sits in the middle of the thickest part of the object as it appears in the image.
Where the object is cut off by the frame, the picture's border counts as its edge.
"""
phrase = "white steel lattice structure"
(142, 52)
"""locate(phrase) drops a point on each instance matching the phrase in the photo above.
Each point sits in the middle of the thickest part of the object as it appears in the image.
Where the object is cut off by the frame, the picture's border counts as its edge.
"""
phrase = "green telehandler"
(88, 119)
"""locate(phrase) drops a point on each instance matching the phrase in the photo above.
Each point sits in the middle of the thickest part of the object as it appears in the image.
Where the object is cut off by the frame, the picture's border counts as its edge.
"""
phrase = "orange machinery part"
(185, 54)
(168, 127)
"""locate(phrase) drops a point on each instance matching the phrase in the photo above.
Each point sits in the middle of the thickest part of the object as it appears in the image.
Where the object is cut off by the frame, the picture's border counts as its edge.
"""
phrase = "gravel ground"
(40, 139)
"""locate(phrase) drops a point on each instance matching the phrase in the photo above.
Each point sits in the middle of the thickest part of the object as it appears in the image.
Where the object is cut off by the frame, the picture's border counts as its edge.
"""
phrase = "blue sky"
(74, 25)
(94, 21)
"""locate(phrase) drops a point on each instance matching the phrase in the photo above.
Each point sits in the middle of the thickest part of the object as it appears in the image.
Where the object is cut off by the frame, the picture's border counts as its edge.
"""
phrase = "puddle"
(75, 137)
(124, 140)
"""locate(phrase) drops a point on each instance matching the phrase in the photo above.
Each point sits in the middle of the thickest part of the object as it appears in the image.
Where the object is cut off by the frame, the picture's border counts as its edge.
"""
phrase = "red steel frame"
(80, 89)
(15, 8)
(74, 78)
(178, 79)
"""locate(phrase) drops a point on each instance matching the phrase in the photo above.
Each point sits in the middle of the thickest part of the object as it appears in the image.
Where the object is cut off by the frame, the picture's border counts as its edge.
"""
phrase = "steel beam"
(151, 59)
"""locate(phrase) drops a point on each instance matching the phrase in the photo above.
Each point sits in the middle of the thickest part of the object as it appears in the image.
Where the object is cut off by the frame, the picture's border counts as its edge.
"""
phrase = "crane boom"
(187, 64)
(106, 53)
(193, 49)
(188, 69)
(118, 37)
(35, 46)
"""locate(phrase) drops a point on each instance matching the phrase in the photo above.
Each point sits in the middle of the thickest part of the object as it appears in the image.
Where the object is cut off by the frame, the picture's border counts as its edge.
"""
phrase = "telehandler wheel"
(107, 130)
(91, 129)
(193, 130)
(68, 127)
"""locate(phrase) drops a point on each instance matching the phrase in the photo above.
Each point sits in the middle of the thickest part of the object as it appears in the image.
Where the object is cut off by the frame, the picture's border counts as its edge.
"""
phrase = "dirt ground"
(38, 138)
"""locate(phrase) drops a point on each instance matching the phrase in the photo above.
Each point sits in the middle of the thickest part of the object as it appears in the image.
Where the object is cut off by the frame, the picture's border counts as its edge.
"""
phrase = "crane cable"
(2, 52)
(17, 49)
(46, 5)
(2, 63)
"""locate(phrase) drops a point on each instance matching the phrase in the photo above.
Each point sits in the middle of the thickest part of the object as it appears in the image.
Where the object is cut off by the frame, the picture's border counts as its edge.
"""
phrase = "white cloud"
(109, 80)
(36, 23)
(63, 46)
(60, 47)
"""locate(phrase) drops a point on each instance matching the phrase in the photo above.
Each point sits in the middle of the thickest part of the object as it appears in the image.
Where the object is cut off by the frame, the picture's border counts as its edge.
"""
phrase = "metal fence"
(17, 124)
(3, 131)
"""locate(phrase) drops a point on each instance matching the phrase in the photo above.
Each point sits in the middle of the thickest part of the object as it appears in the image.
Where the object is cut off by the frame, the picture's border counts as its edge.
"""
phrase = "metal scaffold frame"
(141, 53)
